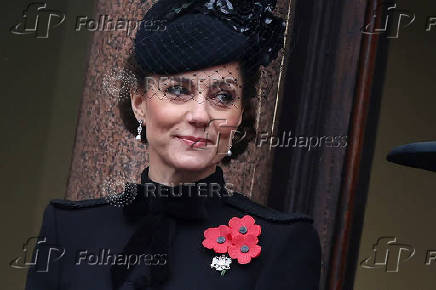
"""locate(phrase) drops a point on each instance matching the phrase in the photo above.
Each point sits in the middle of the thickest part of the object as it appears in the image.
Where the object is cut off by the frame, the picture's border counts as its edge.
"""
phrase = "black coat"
(92, 241)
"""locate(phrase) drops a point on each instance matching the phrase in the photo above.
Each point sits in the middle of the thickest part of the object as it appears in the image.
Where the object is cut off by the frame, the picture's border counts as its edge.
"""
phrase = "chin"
(194, 162)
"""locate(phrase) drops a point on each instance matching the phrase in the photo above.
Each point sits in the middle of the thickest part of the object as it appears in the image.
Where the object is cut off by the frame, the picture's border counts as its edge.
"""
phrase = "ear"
(138, 104)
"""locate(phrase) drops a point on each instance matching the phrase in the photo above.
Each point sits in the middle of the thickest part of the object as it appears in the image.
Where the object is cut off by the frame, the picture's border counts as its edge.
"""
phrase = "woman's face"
(191, 117)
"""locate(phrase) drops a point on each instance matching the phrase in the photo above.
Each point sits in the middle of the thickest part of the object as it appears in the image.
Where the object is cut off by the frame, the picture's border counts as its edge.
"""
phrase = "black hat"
(417, 155)
(188, 35)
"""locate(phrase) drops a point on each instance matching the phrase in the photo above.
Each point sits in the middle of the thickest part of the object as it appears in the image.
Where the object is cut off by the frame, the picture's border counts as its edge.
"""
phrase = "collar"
(153, 205)
(185, 201)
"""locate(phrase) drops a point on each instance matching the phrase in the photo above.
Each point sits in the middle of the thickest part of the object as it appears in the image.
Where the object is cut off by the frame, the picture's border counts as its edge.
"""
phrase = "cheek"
(225, 129)
(161, 116)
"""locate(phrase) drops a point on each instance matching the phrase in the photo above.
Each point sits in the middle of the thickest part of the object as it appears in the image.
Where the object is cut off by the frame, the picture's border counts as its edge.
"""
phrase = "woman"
(182, 223)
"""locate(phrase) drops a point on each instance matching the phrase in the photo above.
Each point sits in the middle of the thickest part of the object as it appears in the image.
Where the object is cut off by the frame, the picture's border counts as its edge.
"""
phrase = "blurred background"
(44, 81)
(401, 199)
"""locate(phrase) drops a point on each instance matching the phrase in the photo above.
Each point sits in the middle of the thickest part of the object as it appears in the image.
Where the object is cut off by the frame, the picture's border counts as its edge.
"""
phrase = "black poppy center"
(244, 249)
(243, 230)
(220, 239)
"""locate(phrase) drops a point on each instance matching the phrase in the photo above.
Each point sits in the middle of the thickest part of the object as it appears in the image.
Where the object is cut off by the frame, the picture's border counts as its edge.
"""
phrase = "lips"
(196, 142)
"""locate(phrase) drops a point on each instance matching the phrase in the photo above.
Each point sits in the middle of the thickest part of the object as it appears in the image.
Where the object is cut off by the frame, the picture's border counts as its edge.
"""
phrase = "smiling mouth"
(195, 142)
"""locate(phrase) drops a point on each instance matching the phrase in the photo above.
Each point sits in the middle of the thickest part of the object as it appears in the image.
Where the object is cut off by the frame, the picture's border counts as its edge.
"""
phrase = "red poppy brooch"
(239, 240)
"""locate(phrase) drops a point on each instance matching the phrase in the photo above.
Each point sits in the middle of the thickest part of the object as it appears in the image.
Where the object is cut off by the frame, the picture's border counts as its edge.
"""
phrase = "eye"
(178, 92)
(223, 98)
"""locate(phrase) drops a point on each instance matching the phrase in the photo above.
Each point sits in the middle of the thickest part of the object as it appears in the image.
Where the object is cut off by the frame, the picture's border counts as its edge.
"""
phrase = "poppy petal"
(233, 252)
(221, 249)
(255, 230)
(255, 251)
(248, 220)
(250, 240)
(211, 233)
(235, 223)
(244, 259)
(208, 244)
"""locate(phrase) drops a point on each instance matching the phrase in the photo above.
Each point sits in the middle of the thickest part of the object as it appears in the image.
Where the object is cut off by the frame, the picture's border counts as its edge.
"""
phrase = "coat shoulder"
(76, 204)
(245, 204)
(117, 200)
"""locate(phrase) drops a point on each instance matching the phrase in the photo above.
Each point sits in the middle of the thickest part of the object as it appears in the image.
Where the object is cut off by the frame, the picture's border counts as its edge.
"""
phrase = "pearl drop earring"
(229, 153)
(138, 137)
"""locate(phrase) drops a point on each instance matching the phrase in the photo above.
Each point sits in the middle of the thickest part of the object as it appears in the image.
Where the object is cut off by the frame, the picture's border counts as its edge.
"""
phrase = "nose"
(198, 115)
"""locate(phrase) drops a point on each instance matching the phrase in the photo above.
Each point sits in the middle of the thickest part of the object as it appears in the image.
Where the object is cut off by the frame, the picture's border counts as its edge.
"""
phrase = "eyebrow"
(185, 80)
(226, 81)
(180, 79)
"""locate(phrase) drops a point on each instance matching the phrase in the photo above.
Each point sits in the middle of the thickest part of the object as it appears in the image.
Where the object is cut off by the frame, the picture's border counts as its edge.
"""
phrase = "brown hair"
(250, 79)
